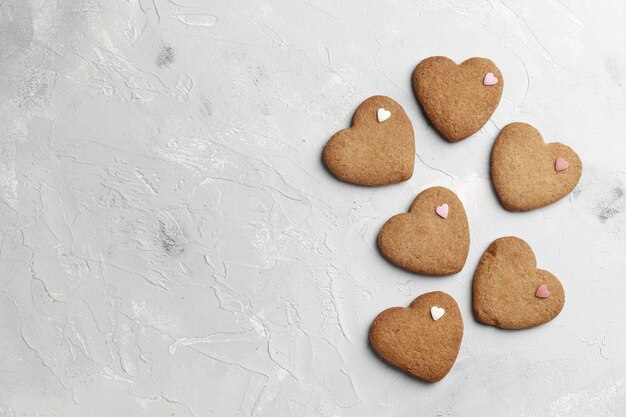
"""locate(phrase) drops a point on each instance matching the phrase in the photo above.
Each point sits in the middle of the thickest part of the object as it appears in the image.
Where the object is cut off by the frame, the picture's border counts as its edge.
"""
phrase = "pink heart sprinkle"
(561, 164)
(442, 211)
(542, 291)
(490, 79)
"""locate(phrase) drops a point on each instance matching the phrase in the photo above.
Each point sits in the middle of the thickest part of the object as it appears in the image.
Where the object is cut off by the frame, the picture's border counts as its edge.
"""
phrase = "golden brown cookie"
(510, 292)
(432, 238)
(422, 340)
(378, 149)
(458, 99)
(528, 173)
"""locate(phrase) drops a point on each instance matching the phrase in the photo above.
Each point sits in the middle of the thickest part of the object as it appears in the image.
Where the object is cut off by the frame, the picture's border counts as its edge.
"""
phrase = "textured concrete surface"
(171, 244)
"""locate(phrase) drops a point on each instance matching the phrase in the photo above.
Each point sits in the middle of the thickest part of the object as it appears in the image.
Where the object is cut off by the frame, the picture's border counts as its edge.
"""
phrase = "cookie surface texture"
(432, 238)
(510, 292)
(416, 342)
(457, 99)
(378, 149)
(528, 173)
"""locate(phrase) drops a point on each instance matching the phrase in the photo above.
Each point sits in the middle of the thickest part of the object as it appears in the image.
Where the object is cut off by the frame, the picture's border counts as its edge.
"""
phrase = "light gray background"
(171, 244)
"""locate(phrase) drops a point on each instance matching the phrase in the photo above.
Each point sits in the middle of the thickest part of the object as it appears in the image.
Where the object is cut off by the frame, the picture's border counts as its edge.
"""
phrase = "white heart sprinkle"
(437, 312)
(383, 115)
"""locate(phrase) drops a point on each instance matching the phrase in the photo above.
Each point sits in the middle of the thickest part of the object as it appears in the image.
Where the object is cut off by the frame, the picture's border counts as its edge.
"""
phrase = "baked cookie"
(422, 340)
(510, 292)
(458, 99)
(528, 173)
(378, 149)
(432, 238)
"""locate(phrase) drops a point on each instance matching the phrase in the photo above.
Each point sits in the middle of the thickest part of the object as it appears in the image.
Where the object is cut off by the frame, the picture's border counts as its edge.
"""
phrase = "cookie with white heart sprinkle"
(378, 149)
(422, 340)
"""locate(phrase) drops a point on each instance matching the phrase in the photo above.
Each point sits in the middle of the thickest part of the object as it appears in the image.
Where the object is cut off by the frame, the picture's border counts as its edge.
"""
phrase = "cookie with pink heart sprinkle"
(528, 173)
(432, 238)
(458, 99)
(510, 292)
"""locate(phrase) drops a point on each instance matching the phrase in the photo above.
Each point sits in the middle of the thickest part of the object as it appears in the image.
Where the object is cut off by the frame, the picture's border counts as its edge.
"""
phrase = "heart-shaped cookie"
(458, 99)
(528, 173)
(378, 149)
(416, 342)
(432, 238)
(510, 292)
